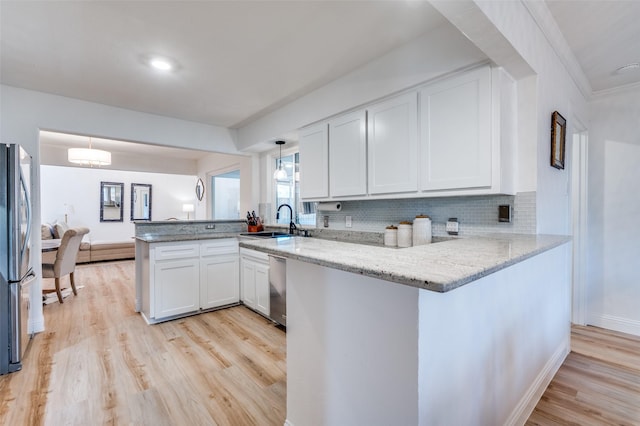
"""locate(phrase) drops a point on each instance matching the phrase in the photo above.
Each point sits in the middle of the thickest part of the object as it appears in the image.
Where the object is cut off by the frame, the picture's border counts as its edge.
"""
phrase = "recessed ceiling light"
(160, 63)
(628, 67)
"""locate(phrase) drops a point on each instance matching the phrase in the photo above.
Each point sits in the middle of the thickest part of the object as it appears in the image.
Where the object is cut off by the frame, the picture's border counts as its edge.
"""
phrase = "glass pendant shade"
(280, 173)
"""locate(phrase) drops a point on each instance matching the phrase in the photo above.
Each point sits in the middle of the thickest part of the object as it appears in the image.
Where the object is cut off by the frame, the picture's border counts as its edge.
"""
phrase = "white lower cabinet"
(219, 273)
(254, 271)
(219, 281)
(176, 287)
(185, 277)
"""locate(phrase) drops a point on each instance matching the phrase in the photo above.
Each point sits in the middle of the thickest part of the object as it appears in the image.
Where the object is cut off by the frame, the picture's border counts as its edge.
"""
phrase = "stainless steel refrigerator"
(16, 272)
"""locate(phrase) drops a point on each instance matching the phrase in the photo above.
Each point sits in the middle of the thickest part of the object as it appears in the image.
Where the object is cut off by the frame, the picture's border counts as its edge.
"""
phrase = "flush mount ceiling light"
(628, 67)
(89, 156)
(280, 173)
(160, 63)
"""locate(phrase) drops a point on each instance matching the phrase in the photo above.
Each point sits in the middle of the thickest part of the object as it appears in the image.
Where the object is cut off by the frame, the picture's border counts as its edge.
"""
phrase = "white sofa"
(90, 251)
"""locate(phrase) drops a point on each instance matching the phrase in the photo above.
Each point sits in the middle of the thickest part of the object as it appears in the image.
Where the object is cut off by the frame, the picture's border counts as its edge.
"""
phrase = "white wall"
(57, 156)
(429, 56)
(222, 163)
(554, 89)
(613, 212)
(80, 187)
(366, 351)
(352, 349)
(23, 111)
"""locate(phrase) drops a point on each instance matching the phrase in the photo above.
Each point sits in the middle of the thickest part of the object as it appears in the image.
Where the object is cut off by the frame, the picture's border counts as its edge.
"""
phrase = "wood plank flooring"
(598, 383)
(99, 363)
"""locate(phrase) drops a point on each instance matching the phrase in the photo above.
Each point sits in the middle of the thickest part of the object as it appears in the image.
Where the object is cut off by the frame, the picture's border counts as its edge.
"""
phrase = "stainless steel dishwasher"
(278, 289)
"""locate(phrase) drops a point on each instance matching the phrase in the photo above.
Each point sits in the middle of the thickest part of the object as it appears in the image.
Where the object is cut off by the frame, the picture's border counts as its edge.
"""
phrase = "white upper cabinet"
(455, 139)
(314, 162)
(455, 136)
(393, 145)
(348, 155)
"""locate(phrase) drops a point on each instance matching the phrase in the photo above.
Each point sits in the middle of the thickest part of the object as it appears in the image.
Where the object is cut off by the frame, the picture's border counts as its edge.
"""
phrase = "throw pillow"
(60, 229)
(46, 232)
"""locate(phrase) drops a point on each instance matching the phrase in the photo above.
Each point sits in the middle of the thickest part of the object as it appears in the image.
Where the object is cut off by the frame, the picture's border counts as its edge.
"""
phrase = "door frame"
(579, 200)
(210, 195)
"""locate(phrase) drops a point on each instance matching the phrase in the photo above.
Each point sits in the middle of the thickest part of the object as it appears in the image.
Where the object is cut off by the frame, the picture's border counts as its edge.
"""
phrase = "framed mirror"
(140, 201)
(111, 201)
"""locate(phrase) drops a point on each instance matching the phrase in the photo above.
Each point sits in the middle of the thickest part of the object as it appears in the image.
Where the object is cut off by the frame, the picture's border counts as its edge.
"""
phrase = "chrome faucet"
(292, 226)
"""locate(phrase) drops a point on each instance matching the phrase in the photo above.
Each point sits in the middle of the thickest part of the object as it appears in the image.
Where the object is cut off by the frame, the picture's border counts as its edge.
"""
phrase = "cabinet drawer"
(177, 251)
(217, 247)
(256, 256)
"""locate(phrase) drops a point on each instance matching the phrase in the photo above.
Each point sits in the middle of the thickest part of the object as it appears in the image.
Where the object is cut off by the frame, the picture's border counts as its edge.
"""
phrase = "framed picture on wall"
(558, 136)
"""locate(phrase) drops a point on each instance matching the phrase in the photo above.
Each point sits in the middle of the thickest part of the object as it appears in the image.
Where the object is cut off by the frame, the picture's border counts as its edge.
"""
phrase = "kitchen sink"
(265, 234)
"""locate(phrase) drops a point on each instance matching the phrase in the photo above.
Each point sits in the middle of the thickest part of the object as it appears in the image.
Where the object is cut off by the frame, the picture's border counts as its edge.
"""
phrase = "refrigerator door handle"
(27, 238)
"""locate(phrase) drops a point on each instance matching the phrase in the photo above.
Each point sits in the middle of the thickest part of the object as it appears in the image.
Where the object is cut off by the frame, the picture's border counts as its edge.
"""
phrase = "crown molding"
(549, 27)
(616, 91)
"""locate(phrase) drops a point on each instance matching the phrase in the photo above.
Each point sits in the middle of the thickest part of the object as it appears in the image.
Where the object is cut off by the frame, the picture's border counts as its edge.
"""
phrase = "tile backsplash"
(476, 215)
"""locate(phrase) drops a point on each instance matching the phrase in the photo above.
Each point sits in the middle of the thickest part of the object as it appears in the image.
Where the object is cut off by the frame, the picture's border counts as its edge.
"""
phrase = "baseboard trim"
(288, 423)
(610, 322)
(525, 407)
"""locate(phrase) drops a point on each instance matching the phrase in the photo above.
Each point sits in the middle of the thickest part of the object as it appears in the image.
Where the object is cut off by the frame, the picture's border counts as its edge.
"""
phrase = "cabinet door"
(314, 162)
(456, 132)
(176, 287)
(348, 155)
(219, 281)
(248, 280)
(262, 288)
(393, 145)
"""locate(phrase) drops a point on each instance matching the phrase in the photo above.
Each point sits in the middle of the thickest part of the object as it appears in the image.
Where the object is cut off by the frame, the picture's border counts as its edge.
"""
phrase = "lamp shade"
(188, 208)
(89, 156)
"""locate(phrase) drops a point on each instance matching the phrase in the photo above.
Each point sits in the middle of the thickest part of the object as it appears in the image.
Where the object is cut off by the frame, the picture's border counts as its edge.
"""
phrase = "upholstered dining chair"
(65, 263)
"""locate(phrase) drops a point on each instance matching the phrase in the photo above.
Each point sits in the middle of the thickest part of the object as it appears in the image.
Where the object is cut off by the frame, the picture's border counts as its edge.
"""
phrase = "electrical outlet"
(347, 221)
(504, 213)
(326, 221)
(452, 226)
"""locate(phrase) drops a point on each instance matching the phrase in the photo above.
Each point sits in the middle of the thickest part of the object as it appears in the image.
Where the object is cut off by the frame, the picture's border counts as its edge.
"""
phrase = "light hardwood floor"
(99, 363)
(598, 383)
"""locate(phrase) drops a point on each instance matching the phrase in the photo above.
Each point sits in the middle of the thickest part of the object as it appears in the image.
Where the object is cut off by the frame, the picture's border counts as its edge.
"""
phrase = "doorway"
(225, 191)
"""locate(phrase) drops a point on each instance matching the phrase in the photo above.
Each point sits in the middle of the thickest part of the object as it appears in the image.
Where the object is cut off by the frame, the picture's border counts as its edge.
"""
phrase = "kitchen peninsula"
(184, 267)
(463, 331)
(466, 331)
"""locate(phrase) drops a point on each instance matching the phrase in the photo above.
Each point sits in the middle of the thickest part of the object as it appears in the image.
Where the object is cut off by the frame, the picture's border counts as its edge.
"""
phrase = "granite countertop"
(440, 267)
(159, 238)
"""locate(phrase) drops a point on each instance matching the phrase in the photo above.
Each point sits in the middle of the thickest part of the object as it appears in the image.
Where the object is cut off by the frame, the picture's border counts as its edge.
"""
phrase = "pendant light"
(280, 173)
(89, 156)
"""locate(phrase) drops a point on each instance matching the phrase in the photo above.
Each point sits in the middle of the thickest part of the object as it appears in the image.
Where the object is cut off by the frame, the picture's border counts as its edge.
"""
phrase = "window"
(226, 195)
(287, 191)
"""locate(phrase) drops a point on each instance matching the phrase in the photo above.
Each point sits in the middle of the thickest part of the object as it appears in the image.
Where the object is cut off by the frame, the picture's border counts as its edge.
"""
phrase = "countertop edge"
(422, 284)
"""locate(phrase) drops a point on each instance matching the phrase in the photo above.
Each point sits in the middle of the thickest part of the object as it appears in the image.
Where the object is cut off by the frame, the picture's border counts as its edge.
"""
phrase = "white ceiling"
(241, 59)
(238, 59)
(604, 36)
